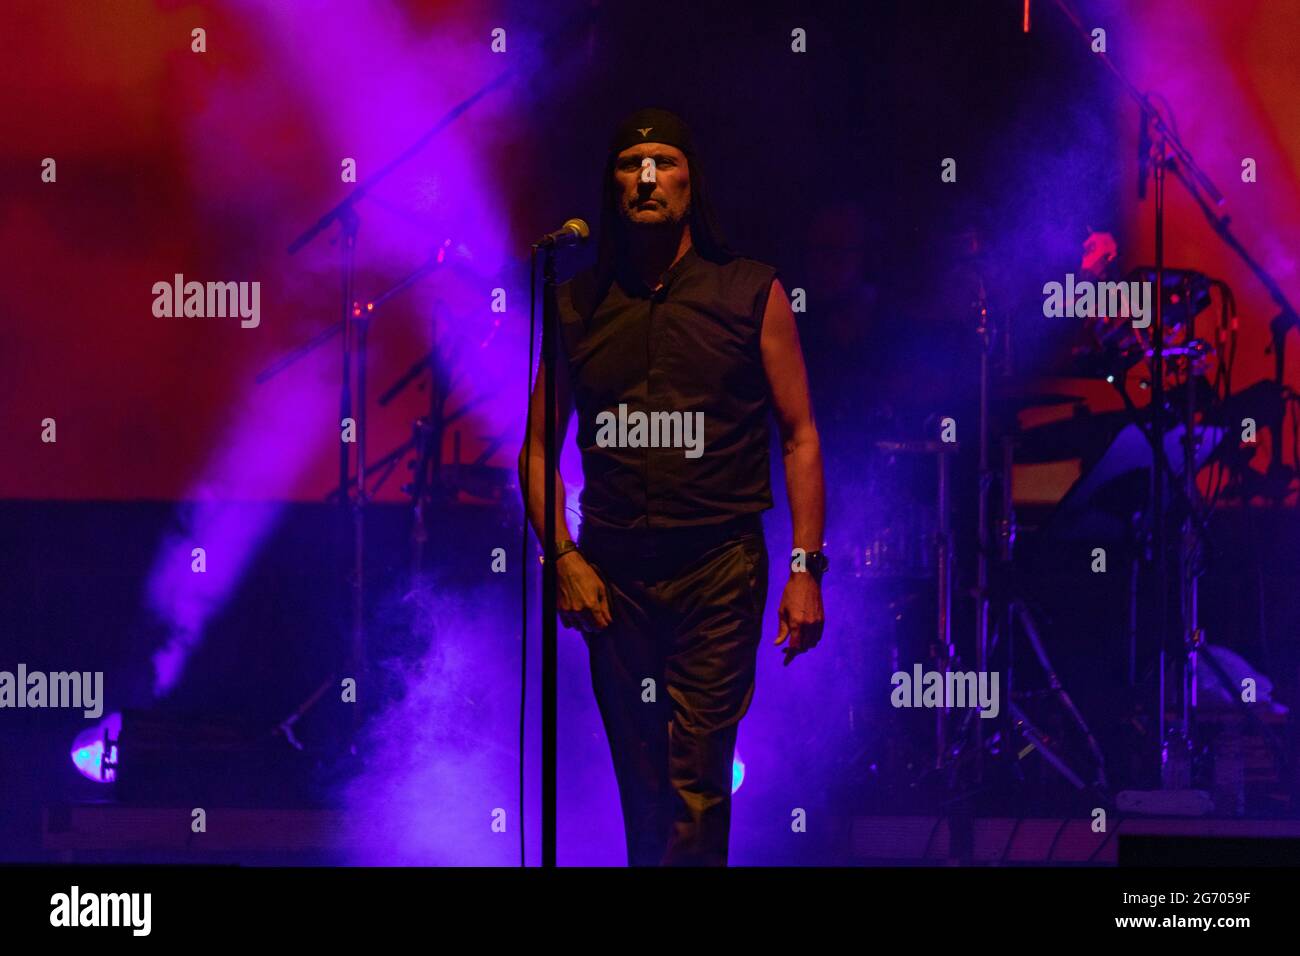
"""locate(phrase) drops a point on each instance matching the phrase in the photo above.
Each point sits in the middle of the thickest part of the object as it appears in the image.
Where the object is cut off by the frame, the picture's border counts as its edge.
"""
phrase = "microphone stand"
(574, 230)
(550, 644)
(345, 214)
(1170, 154)
(354, 326)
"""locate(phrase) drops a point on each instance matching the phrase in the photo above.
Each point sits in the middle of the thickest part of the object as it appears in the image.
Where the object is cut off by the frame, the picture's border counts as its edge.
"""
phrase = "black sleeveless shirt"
(692, 347)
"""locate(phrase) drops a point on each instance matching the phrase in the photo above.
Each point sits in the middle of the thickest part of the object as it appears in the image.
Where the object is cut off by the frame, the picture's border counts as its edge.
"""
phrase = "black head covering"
(653, 126)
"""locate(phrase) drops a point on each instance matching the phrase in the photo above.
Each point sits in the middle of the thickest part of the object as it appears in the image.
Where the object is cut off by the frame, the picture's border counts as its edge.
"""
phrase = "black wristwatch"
(816, 563)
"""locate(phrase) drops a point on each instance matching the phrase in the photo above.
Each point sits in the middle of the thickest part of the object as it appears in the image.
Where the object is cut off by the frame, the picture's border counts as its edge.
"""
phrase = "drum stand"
(998, 599)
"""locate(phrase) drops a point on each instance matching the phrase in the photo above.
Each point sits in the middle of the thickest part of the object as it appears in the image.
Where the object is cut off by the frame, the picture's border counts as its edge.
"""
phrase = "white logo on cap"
(644, 131)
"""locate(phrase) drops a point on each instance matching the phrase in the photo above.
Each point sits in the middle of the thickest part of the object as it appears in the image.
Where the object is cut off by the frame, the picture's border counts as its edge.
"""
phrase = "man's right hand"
(582, 601)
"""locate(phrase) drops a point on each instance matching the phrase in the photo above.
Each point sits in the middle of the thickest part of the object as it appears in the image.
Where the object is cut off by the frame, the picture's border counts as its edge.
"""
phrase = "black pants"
(673, 675)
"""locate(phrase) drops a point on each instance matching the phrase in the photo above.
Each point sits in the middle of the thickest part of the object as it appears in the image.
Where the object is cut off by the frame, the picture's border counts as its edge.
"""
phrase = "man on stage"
(674, 350)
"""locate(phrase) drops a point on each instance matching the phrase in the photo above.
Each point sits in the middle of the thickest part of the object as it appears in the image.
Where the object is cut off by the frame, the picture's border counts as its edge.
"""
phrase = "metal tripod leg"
(1054, 683)
(1025, 727)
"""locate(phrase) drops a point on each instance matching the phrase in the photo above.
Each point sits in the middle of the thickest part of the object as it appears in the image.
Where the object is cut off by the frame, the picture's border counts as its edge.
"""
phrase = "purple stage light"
(88, 750)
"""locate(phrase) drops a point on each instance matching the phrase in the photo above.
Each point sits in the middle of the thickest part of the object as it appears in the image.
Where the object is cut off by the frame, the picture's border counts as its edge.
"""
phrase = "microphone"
(572, 233)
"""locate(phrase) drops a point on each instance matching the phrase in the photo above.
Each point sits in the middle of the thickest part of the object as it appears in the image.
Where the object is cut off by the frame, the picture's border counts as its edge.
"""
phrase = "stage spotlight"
(737, 773)
(90, 747)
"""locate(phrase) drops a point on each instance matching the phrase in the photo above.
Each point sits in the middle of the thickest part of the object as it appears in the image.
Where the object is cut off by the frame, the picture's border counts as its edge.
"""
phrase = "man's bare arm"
(533, 455)
(801, 613)
(582, 601)
(800, 444)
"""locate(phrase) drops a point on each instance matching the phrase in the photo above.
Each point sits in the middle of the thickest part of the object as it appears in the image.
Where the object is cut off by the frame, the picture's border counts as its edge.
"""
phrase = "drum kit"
(902, 554)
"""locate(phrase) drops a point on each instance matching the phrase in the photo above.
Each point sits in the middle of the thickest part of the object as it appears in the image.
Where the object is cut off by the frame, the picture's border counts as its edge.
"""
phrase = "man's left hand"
(800, 615)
